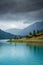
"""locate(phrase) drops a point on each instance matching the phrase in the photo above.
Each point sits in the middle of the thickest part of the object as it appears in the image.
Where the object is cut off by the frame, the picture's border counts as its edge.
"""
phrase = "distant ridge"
(35, 26)
(14, 31)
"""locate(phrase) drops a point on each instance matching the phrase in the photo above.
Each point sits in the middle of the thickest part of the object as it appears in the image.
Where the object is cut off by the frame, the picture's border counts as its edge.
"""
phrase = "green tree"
(34, 33)
(30, 33)
(15, 37)
(37, 31)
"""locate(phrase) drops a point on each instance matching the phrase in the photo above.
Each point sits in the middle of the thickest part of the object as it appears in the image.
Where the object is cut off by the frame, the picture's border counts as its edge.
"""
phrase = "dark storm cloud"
(18, 10)
(13, 6)
(34, 16)
(27, 17)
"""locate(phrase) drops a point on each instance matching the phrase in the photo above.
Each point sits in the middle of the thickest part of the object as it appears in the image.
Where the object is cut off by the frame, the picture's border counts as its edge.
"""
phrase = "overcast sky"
(20, 13)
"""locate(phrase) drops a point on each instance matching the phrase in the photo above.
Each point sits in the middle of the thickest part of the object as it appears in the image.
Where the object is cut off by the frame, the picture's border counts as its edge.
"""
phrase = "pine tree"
(30, 33)
(34, 33)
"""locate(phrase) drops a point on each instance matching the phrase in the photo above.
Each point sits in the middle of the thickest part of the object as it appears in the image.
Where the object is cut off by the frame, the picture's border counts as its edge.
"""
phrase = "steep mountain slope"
(36, 26)
(5, 35)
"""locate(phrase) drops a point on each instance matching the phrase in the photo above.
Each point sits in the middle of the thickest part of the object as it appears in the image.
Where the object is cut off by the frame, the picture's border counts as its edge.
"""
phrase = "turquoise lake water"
(20, 54)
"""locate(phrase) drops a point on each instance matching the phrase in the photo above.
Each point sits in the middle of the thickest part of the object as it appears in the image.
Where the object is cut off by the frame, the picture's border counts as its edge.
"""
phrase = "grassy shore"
(38, 39)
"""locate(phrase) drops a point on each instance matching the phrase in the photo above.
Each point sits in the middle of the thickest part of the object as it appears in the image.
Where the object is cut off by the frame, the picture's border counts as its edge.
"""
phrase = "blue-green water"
(20, 54)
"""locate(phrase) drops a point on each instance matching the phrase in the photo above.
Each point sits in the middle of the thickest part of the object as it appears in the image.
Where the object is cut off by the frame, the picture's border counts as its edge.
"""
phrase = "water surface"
(20, 54)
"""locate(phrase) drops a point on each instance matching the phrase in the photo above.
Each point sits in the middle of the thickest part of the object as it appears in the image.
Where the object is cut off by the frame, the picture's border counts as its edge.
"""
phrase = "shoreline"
(20, 40)
(28, 42)
(34, 40)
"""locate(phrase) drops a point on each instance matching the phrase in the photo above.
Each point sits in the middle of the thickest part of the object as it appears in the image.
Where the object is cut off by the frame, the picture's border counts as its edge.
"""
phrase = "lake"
(20, 54)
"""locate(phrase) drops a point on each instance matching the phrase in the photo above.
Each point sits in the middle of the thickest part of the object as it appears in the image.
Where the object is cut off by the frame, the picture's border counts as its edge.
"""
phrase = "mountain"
(14, 31)
(35, 26)
(5, 35)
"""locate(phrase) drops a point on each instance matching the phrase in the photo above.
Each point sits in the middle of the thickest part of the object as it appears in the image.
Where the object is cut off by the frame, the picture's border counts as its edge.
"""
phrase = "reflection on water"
(20, 54)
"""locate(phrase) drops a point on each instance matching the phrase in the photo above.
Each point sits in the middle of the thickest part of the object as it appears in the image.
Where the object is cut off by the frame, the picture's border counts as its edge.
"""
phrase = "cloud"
(17, 10)
(34, 16)
(18, 25)
(22, 11)
(23, 17)
(13, 6)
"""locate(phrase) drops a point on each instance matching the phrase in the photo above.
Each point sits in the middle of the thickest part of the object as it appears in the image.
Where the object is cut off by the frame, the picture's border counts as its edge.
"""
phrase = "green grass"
(33, 39)
(36, 41)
